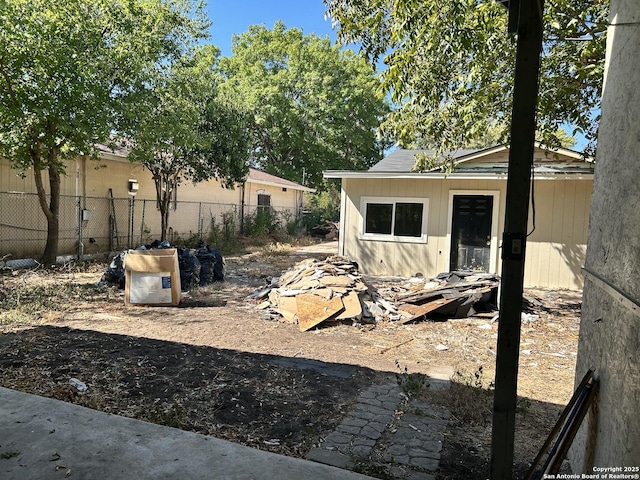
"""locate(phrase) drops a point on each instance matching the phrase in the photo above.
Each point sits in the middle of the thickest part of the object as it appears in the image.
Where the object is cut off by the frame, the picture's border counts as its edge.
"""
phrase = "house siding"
(555, 249)
(86, 185)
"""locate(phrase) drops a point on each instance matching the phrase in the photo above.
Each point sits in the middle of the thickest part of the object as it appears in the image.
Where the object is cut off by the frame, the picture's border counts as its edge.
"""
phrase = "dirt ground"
(214, 364)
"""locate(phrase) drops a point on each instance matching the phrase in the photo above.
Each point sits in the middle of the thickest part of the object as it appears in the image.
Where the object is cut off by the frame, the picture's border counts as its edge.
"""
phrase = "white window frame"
(364, 201)
(263, 193)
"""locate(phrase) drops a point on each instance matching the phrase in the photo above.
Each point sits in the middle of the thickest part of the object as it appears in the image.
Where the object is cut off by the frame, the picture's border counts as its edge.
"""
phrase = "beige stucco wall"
(23, 226)
(12, 181)
(103, 174)
(555, 249)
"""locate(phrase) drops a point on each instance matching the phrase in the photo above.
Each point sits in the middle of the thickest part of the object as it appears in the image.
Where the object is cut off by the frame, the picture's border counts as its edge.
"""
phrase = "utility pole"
(526, 16)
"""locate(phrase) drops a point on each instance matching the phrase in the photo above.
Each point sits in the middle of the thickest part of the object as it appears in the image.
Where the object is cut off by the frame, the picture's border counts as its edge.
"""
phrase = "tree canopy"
(182, 130)
(69, 68)
(315, 106)
(450, 65)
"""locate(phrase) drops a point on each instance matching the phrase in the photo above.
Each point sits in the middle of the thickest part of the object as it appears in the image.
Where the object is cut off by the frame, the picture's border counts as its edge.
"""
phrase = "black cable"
(533, 200)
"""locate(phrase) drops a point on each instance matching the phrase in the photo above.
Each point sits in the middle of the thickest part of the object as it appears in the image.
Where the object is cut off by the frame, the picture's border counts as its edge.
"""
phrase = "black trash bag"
(189, 269)
(155, 245)
(212, 264)
(114, 274)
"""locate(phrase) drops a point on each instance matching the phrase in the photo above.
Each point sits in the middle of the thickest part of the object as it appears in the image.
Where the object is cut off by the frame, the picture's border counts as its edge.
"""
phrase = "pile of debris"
(316, 291)
(449, 295)
(328, 230)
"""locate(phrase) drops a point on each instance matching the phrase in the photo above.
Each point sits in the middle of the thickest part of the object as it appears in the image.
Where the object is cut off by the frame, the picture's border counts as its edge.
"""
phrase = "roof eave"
(442, 176)
(281, 185)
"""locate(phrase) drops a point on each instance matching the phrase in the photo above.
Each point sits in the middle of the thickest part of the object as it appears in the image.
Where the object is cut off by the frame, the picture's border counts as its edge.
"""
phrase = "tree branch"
(12, 93)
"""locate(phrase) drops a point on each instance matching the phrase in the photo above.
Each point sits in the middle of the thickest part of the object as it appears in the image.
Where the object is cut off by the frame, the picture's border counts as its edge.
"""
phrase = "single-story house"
(111, 202)
(394, 221)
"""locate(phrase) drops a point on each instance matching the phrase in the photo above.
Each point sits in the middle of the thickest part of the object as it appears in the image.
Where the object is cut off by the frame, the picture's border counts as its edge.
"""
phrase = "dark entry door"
(471, 232)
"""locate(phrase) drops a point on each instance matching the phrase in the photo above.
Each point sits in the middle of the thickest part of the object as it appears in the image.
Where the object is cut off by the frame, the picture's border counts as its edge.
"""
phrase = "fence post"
(144, 207)
(79, 246)
(129, 221)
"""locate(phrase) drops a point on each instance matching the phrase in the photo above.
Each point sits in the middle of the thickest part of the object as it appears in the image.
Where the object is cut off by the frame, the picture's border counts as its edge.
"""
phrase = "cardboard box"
(152, 277)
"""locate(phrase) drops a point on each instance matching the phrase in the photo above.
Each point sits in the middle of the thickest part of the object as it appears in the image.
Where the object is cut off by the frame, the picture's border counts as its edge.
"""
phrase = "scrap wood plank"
(334, 281)
(287, 306)
(313, 310)
(340, 290)
(420, 296)
(325, 293)
(304, 283)
(421, 310)
(301, 269)
(417, 297)
(352, 307)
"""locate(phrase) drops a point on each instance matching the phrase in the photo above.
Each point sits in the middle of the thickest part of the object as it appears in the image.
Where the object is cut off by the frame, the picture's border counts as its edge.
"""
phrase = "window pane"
(408, 219)
(378, 218)
(264, 200)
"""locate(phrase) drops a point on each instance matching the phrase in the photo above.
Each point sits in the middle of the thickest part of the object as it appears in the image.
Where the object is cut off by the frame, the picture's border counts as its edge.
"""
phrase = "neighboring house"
(398, 222)
(92, 221)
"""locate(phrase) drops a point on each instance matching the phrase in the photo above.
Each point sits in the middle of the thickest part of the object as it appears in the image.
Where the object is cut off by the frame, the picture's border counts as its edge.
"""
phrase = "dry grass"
(42, 312)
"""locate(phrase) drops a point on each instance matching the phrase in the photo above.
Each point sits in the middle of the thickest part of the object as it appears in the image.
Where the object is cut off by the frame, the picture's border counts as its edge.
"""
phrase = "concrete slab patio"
(46, 439)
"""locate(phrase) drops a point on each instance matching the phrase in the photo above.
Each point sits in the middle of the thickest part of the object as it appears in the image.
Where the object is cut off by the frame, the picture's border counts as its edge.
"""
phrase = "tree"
(182, 130)
(68, 68)
(315, 106)
(450, 65)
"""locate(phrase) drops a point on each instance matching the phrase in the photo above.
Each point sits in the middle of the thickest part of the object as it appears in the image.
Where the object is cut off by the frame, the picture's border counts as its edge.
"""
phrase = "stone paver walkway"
(386, 430)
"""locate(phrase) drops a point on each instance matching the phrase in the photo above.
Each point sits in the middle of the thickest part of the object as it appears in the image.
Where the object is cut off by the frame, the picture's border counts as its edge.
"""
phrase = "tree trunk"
(51, 210)
(164, 220)
(164, 197)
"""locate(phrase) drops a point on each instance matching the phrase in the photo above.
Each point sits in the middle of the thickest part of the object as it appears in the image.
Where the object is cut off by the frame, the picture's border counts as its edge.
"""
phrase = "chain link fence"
(98, 225)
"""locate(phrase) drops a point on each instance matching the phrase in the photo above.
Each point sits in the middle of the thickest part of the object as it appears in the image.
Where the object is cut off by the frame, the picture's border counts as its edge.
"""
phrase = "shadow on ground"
(285, 405)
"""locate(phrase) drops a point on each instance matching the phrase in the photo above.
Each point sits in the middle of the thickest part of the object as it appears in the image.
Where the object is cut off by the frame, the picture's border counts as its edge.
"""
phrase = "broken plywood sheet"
(325, 293)
(334, 278)
(305, 283)
(418, 311)
(335, 281)
(313, 310)
(352, 307)
(287, 306)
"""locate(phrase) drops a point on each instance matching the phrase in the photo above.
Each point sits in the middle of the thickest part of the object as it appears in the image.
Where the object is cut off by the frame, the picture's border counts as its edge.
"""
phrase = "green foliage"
(262, 222)
(290, 225)
(322, 206)
(412, 384)
(315, 106)
(427, 162)
(182, 130)
(450, 66)
(225, 234)
(167, 414)
(186, 240)
(69, 69)
(476, 381)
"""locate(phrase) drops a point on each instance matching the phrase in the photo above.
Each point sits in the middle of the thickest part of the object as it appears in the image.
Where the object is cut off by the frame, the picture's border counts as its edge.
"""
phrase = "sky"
(235, 16)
